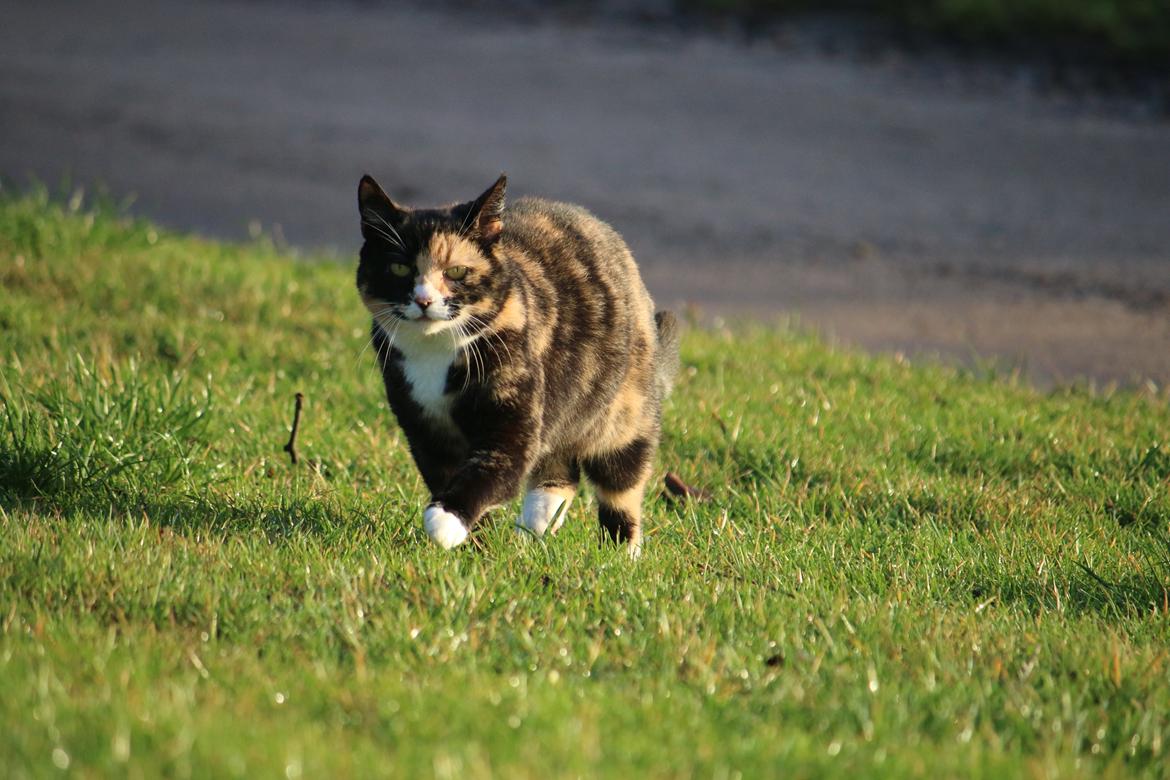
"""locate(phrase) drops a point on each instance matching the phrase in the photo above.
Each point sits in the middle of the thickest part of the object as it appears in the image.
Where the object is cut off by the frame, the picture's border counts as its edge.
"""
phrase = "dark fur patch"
(616, 525)
(622, 469)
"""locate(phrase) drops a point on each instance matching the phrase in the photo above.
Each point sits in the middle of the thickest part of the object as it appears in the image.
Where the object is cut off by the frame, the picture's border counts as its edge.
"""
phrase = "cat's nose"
(423, 301)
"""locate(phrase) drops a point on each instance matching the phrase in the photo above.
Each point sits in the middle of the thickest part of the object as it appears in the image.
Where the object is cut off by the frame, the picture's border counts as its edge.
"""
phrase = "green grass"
(905, 570)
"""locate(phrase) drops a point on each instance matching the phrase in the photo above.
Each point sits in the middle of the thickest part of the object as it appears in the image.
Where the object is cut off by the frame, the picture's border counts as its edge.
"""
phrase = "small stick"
(291, 447)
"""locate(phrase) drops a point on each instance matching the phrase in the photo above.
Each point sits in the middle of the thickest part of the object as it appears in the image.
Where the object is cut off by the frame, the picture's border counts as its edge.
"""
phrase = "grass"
(905, 570)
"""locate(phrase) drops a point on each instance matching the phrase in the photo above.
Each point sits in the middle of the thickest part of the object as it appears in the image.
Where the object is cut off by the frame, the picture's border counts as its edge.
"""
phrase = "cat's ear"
(487, 212)
(377, 211)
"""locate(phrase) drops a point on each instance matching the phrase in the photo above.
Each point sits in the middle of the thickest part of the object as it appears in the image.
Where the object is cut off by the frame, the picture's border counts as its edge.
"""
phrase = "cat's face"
(429, 270)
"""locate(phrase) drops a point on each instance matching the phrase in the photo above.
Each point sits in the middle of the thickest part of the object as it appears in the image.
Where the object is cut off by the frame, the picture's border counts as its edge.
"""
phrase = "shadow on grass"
(63, 478)
(277, 517)
(1081, 590)
(120, 442)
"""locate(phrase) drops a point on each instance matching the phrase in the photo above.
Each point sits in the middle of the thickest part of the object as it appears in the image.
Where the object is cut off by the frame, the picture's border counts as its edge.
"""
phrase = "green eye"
(398, 269)
(456, 272)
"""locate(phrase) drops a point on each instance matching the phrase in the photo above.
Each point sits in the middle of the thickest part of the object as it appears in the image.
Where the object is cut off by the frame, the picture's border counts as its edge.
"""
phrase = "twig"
(291, 447)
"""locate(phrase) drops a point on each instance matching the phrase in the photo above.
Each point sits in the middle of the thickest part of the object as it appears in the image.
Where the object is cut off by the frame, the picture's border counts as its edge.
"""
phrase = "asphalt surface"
(886, 209)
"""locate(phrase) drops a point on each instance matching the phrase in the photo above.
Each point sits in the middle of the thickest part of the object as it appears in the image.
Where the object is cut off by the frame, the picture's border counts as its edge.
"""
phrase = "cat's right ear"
(380, 215)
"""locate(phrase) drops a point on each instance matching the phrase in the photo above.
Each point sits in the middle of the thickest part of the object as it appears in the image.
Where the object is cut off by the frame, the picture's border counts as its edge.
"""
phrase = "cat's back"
(574, 248)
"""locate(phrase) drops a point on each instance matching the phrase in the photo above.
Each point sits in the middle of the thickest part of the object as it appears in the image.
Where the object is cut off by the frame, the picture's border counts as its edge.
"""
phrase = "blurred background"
(975, 179)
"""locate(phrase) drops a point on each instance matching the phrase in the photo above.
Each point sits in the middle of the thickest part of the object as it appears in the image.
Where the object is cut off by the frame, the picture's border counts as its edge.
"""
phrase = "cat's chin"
(430, 327)
(426, 325)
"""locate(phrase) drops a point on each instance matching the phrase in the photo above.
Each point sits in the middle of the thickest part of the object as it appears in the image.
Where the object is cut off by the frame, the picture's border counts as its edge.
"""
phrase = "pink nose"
(423, 301)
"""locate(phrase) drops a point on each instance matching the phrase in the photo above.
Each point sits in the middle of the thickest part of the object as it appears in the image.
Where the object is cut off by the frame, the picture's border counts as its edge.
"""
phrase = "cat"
(518, 346)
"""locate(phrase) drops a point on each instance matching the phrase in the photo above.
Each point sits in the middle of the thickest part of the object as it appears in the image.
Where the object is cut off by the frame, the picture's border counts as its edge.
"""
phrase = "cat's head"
(429, 269)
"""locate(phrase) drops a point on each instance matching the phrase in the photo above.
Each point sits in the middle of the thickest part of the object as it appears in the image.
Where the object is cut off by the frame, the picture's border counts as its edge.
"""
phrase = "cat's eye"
(456, 272)
(398, 269)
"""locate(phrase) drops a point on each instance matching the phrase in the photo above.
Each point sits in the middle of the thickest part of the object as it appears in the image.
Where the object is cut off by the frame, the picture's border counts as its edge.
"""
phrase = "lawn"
(904, 570)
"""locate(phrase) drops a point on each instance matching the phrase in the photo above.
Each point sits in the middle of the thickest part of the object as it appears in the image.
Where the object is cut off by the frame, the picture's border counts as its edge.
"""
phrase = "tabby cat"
(518, 345)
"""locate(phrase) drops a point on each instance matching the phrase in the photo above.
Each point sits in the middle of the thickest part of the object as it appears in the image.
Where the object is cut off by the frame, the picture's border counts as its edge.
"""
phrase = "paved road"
(888, 210)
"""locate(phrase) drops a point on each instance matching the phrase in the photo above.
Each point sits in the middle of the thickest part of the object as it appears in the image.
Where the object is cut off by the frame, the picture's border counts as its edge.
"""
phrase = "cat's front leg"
(445, 528)
(502, 439)
(488, 478)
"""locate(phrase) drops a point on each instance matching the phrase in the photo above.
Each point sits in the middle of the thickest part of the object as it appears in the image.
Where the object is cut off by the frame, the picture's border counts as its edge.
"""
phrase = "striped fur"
(555, 362)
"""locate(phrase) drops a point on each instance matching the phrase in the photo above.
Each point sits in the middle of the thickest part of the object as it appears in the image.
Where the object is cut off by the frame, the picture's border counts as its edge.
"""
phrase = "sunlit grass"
(905, 570)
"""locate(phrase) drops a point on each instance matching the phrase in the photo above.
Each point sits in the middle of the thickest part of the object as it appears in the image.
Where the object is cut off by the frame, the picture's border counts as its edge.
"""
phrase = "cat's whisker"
(465, 348)
(385, 235)
(394, 333)
(376, 313)
(466, 352)
(389, 307)
(362, 351)
(379, 311)
(396, 238)
(393, 230)
(385, 347)
(388, 340)
(465, 225)
(472, 358)
(460, 349)
(486, 333)
(479, 336)
(479, 360)
(369, 341)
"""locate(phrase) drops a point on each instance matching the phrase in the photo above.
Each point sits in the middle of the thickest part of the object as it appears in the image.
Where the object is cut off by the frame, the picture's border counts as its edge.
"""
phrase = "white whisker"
(481, 368)
(388, 342)
(487, 333)
(385, 235)
(396, 238)
(377, 312)
(464, 226)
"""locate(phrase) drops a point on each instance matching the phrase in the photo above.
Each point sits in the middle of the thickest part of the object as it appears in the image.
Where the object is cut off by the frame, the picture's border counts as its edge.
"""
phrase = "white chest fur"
(426, 361)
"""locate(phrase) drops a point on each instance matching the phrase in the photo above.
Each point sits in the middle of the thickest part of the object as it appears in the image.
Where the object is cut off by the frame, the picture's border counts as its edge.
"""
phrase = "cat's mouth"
(432, 319)
(430, 315)
(431, 323)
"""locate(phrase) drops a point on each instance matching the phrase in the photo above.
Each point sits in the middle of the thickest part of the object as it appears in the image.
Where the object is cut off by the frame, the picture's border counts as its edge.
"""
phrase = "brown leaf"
(676, 487)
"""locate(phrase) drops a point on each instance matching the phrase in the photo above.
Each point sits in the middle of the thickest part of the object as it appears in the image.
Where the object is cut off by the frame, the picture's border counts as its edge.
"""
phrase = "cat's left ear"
(487, 212)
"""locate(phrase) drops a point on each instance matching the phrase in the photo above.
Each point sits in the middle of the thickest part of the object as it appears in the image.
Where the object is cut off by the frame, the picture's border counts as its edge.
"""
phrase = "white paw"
(543, 512)
(445, 528)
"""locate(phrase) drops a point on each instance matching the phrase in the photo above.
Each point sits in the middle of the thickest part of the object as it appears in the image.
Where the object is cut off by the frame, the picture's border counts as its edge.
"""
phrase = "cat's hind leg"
(619, 479)
(551, 488)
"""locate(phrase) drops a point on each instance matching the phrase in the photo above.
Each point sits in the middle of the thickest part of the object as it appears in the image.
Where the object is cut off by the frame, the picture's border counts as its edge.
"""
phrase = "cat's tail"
(666, 356)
